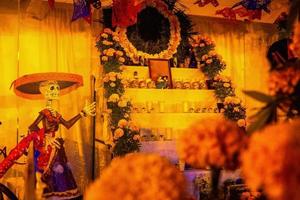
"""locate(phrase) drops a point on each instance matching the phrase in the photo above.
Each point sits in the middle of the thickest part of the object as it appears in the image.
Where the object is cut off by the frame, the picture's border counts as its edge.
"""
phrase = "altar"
(149, 99)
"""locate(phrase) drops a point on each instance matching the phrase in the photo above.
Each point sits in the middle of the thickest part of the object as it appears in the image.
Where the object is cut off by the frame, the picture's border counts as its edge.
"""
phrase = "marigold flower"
(118, 133)
(122, 104)
(133, 126)
(105, 79)
(104, 58)
(208, 61)
(227, 85)
(112, 78)
(136, 137)
(121, 59)
(119, 53)
(214, 142)
(112, 85)
(113, 98)
(122, 123)
(241, 122)
(126, 179)
(104, 35)
(116, 38)
(107, 30)
(271, 161)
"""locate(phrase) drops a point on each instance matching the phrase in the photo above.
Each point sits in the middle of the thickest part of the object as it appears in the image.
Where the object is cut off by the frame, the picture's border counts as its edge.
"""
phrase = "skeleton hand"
(89, 109)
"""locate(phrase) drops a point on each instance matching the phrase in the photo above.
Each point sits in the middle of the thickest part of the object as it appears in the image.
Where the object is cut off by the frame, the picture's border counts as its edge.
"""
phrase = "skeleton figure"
(49, 153)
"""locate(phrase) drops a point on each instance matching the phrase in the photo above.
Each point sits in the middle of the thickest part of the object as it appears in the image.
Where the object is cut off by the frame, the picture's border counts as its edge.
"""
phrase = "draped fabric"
(51, 44)
(243, 46)
(125, 12)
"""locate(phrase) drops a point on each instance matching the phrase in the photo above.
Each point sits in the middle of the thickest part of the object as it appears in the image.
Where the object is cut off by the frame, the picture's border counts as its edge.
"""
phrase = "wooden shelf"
(170, 95)
(177, 73)
(169, 120)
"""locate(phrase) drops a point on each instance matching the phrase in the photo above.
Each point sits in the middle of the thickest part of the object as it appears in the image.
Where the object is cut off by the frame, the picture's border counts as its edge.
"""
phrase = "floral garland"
(126, 136)
(174, 41)
(211, 64)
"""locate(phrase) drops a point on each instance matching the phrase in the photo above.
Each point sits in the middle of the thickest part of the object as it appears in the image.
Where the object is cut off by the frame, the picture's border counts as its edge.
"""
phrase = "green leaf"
(263, 117)
(259, 96)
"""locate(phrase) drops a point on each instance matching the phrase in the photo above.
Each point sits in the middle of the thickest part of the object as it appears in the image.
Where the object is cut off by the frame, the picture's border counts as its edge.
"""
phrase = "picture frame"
(160, 68)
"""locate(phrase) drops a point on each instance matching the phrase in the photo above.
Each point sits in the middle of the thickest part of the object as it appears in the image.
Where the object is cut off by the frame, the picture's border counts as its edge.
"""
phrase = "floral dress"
(50, 161)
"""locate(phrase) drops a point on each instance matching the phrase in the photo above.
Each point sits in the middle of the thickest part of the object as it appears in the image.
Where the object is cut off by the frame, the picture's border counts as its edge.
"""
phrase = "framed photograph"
(160, 70)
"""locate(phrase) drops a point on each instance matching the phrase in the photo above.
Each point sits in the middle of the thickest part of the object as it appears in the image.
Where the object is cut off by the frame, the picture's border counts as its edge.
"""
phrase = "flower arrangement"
(214, 142)
(118, 105)
(201, 45)
(271, 161)
(223, 87)
(113, 83)
(110, 49)
(212, 64)
(131, 177)
(134, 54)
(234, 110)
(126, 138)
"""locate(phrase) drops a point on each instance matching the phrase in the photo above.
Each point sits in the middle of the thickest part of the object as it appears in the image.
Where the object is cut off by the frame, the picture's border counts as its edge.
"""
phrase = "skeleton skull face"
(50, 89)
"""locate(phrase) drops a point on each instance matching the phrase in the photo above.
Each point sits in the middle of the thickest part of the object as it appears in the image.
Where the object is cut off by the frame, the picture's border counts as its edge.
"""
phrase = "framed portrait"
(160, 69)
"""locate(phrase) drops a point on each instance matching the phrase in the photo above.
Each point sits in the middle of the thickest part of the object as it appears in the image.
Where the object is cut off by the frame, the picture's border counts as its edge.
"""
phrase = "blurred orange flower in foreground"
(272, 162)
(214, 142)
(296, 40)
(138, 177)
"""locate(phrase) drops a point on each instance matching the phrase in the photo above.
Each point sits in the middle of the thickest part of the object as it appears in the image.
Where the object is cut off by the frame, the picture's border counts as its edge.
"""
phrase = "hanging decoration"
(250, 9)
(174, 41)
(124, 12)
(203, 3)
(81, 9)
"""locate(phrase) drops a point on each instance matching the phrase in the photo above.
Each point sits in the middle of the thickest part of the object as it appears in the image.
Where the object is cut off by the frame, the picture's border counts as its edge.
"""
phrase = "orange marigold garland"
(211, 64)
(112, 55)
(127, 179)
(271, 161)
(175, 36)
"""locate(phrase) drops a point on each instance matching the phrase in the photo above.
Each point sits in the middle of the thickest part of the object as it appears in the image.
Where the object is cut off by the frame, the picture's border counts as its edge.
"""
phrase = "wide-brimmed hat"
(27, 86)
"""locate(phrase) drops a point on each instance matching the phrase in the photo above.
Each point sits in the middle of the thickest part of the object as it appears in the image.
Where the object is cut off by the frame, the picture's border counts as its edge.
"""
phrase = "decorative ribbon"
(252, 9)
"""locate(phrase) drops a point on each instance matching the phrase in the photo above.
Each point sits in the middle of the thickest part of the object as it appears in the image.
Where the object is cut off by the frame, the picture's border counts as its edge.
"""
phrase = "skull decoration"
(50, 89)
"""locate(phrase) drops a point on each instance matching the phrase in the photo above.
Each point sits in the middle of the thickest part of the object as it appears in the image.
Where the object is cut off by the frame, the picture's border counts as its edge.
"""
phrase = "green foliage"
(259, 96)
(113, 65)
(234, 112)
(186, 31)
(266, 115)
(222, 91)
(212, 69)
(126, 143)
